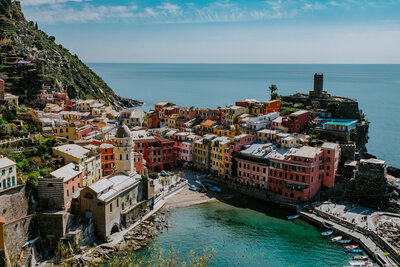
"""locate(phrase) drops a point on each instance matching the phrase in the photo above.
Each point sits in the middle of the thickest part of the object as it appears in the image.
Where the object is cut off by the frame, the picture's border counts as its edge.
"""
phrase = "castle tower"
(123, 151)
(318, 83)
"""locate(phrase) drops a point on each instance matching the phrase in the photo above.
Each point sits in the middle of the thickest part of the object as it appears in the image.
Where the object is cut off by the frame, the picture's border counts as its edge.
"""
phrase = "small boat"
(215, 189)
(360, 263)
(355, 250)
(327, 233)
(292, 217)
(360, 257)
(344, 241)
(351, 246)
(336, 239)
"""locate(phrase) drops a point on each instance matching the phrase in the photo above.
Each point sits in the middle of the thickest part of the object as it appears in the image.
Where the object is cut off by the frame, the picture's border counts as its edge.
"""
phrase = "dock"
(371, 246)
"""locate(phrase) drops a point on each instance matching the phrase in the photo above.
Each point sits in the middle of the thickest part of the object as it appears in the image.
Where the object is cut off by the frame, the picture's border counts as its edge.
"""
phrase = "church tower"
(123, 151)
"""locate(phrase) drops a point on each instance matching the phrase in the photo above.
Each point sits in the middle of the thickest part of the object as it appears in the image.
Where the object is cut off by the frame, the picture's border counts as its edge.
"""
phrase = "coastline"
(186, 197)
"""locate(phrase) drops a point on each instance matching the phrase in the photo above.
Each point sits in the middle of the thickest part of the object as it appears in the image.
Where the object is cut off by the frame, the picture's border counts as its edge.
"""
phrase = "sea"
(244, 235)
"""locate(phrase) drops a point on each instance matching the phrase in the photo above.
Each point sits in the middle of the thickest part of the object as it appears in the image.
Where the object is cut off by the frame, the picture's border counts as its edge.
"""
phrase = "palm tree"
(273, 88)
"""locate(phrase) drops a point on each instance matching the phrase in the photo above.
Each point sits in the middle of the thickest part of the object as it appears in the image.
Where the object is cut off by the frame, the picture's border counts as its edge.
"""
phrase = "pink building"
(188, 113)
(298, 174)
(331, 159)
(238, 143)
(252, 165)
(183, 146)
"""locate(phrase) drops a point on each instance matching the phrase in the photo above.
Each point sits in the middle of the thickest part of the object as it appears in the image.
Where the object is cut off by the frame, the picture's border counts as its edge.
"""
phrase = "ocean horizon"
(375, 86)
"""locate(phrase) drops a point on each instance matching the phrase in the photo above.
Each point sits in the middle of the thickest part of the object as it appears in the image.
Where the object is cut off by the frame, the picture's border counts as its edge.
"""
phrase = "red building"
(107, 158)
(156, 150)
(298, 121)
(139, 162)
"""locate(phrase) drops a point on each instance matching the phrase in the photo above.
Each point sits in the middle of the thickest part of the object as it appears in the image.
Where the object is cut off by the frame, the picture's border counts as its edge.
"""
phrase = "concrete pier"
(369, 244)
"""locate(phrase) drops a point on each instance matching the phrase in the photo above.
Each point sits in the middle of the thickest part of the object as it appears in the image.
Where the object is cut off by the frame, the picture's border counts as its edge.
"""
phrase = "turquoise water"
(244, 237)
(376, 87)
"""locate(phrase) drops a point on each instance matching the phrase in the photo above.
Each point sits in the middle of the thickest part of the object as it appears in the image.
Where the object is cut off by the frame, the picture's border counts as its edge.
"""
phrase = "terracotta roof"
(208, 123)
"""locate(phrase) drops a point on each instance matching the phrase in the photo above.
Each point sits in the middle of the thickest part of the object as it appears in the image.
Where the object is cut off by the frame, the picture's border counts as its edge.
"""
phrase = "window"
(3, 172)
(50, 185)
(4, 183)
(10, 170)
(110, 207)
(120, 157)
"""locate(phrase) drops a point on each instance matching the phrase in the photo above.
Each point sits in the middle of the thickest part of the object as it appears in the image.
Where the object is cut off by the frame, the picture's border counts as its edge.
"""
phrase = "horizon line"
(236, 63)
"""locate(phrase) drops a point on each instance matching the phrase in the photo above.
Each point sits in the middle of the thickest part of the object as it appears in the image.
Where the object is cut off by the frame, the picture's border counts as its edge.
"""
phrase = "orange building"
(272, 106)
(107, 158)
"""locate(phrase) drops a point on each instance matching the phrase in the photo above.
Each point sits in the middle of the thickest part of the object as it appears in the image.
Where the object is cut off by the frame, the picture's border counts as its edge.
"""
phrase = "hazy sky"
(202, 31)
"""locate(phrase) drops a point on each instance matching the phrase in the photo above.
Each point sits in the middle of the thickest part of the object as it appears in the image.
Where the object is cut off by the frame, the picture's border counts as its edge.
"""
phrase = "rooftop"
(304, 152)
(6, 162)
(73, 150)
(67, 172)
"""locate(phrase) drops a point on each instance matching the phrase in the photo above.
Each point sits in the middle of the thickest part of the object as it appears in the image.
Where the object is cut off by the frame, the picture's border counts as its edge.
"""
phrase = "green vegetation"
(61, 69)
(33, 158)
(273, 94)
(333, 106)
(10, 122)
(288, 110)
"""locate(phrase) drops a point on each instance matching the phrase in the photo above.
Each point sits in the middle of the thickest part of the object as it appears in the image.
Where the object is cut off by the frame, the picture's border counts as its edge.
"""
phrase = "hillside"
(31, 60)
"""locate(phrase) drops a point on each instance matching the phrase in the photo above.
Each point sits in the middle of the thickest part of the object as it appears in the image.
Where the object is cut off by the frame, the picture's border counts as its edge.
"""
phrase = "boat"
(292, 217)
(344, 241)
(336, 239)
(360, 263)
(327, 233)
(215, 189)
(194, 188)
(355, 250)
(360, 257)
(351, 246)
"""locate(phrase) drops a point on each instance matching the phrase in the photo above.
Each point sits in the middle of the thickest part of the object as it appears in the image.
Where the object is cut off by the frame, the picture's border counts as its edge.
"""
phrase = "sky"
(223, 31)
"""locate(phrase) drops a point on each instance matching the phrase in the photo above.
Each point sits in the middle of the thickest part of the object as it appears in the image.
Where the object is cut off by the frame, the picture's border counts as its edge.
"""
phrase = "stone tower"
(123, 151)
(318, 90)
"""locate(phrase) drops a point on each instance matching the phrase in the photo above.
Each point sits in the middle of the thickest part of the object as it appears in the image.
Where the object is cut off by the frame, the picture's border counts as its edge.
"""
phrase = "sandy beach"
(186, 197)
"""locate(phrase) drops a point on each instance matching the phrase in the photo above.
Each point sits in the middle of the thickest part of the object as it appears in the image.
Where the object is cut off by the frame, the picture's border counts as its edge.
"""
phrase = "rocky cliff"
(31, 60)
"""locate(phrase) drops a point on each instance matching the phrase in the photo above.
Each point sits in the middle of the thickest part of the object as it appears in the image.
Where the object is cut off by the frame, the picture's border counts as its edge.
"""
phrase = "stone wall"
(369, 185)
(19, 227)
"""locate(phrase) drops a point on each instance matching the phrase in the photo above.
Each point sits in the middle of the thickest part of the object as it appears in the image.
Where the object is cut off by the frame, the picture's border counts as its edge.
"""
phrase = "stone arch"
(114, 229)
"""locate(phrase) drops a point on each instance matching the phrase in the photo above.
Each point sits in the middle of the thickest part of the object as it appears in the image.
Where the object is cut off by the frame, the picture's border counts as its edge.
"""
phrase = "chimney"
(2, 93)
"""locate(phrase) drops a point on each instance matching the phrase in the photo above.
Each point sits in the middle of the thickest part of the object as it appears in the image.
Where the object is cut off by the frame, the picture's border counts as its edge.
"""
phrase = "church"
(118, 200)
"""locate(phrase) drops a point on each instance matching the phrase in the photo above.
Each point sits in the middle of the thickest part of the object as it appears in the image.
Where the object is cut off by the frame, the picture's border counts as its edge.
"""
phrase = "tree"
(36, 26)
(52, 38)
(272, 89)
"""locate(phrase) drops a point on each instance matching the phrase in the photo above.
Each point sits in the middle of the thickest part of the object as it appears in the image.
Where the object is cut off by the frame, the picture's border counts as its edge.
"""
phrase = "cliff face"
(30, 59)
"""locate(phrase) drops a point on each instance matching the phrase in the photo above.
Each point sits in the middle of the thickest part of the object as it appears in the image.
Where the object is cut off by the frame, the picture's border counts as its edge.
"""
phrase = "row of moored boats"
(359, 260)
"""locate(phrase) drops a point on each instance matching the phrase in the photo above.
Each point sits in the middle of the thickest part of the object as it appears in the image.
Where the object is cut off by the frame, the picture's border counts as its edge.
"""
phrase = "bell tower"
(123, 151)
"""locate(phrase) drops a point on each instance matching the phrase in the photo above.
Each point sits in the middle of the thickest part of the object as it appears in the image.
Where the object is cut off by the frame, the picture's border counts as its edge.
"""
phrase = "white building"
(123, 151)
(89, 159)
(8, 172)
(260, 122)
(132, 117)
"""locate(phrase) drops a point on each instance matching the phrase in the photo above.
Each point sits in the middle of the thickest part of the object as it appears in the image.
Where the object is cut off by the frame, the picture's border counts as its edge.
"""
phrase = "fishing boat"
(355, 250)
(336, 239)
(351, 246)
(292, 217)
(344, 241)
(327, 233)
(360, 257)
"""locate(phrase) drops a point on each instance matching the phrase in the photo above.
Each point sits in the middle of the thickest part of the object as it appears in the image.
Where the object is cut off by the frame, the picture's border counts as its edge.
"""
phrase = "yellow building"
(66, 131)
(171, 121)
(218, 146)
(202, 153)
(233, 112)
(266, 136)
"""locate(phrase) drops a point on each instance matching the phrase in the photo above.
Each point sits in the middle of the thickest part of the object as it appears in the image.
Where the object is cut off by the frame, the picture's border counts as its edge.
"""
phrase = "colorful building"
(202, 153)
(218, 146)
(57, 189)
(298, 121)
(8, 172)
